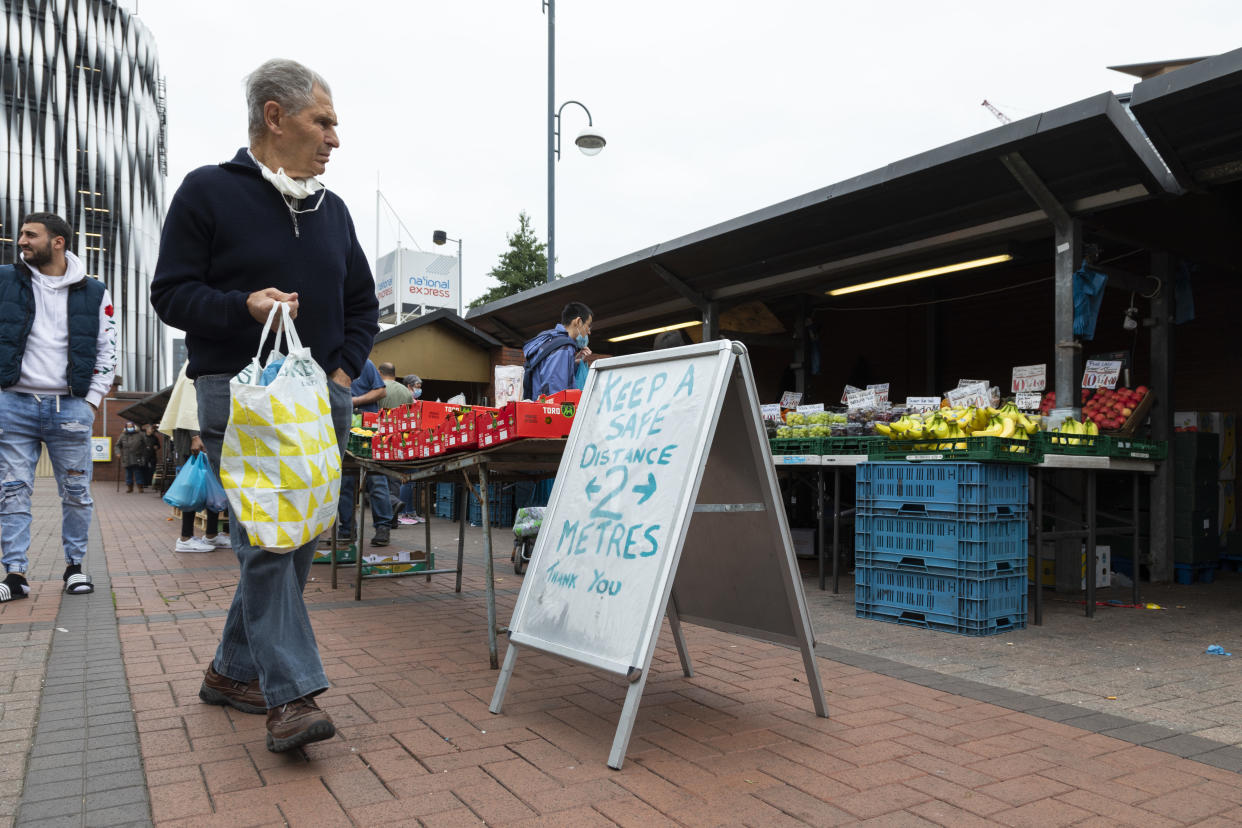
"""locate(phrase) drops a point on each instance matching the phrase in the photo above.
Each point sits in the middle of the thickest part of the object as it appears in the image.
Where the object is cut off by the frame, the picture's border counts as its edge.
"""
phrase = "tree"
(523, 266)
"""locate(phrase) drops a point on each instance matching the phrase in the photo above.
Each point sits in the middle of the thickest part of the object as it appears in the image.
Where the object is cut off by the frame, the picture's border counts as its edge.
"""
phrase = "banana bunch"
(957, 423)
(1072, 426)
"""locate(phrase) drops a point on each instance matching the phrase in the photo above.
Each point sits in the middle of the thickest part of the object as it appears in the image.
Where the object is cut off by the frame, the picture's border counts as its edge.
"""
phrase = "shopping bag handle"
(292, 340)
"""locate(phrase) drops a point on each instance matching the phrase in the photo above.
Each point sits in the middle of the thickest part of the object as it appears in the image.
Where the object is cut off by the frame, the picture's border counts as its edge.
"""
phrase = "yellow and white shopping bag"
(280, 465)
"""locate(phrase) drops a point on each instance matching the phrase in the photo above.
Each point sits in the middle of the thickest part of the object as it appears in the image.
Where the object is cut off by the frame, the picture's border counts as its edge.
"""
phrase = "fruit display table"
(1087, 528)
(821, 463)
(510, 461)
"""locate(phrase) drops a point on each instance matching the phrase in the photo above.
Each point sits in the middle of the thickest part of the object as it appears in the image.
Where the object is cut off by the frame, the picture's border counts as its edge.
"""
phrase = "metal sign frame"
(746, 485)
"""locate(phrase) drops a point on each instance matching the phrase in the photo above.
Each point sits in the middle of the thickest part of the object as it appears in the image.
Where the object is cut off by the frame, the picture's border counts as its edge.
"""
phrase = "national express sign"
(416, 279)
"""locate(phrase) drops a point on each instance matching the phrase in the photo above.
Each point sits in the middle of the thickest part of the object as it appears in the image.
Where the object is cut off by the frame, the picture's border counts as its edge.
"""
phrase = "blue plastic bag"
(188, 491)
(215, 499)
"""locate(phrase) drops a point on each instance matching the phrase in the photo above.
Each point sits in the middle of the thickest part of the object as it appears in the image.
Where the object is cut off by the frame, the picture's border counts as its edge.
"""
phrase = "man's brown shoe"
(240, 695)
(297, 723)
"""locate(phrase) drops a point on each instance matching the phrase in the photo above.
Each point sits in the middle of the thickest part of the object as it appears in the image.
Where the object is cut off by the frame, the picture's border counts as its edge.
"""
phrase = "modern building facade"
(84, 137)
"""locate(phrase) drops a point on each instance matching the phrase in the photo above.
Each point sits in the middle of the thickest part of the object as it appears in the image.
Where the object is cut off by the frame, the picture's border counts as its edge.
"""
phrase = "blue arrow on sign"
(592, 487)
(647, 489)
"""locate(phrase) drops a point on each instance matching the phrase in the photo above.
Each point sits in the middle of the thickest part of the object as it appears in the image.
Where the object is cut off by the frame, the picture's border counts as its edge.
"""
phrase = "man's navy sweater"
(228, 234)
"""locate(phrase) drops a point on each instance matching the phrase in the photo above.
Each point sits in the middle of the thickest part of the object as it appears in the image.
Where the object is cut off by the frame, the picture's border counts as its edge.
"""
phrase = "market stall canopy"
(958, 197)
(148, 409)
(438, 346)
(1194, 118)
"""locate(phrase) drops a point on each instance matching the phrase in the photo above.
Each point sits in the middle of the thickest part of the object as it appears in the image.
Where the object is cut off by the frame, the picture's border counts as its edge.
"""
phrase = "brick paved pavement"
(737, 744)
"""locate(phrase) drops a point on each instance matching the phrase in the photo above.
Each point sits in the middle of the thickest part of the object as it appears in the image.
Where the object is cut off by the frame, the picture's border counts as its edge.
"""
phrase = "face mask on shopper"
(581, 340)
(417, 392)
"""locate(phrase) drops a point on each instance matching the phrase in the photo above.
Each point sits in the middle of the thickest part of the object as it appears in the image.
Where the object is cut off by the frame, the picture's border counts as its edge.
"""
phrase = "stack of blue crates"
(942, 545)
(500, 509)
(445, 504)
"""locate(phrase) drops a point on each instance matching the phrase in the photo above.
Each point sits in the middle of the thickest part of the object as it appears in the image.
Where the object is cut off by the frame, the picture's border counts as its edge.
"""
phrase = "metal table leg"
(427, 525)
(332, 531)
(836, 530)
(488, 568)
(1039, 547)
(819, 516)
(359, 500)
(461, 532)
(1089, 557)
(1134, 597)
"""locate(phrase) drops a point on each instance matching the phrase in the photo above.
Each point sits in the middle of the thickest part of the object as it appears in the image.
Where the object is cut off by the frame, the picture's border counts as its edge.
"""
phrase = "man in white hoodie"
(57, 359)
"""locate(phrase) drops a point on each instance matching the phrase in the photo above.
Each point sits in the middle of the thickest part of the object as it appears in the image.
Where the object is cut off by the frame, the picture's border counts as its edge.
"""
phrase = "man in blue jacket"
(239, 237)
(57, 359)
(552, 356)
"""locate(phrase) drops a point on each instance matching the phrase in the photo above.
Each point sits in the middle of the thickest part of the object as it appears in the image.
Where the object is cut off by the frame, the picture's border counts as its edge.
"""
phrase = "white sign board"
(667, 466)
(1029, 378)
(977, 394)
(916, 405)
(1029, 401)
(1101, 373)
(416, 279)
(862, 399)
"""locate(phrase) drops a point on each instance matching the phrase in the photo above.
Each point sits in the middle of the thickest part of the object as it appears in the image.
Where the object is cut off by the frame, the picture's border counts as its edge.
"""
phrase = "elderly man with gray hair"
(240, 236)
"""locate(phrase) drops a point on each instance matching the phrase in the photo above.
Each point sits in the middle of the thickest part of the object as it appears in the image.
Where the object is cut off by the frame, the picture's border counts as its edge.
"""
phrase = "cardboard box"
(1048, 567)
(492, 427)
(401, 561)
(528, 419)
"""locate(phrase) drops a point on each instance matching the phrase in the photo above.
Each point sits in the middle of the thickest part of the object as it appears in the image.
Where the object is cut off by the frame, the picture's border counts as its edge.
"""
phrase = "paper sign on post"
(845, 395)
(916, 405)
(977, 394)
(790, 399)
(771, 411)
(1029, 378)
(1101, 373)
(862, 399)
(1029, 401)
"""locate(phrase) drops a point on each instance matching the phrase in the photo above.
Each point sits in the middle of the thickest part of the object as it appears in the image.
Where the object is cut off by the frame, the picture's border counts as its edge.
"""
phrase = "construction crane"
(1000, 116)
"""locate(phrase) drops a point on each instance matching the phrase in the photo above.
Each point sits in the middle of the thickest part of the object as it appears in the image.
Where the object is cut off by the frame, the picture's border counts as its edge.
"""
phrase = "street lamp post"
(590, 141)
(440, 237)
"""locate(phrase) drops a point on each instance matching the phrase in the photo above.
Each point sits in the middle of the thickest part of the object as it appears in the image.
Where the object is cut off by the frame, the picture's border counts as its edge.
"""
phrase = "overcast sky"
(711, 108)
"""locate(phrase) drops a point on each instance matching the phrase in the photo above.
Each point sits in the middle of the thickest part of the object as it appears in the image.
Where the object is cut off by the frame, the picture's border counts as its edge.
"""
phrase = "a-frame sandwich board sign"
(666, 490)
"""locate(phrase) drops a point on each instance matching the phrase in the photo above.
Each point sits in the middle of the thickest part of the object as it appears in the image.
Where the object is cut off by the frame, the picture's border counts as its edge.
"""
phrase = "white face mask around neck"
(293, 187)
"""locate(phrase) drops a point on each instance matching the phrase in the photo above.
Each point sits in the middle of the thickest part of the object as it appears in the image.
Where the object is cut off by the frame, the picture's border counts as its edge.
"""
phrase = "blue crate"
(943, 487)
(500, 508)
(939, 599)
(941, 546)
(1186, 574)
(445, 504)
(989, 626)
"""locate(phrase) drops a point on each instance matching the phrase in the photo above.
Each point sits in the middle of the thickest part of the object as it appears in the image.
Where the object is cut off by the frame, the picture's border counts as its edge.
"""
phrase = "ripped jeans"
(64, 425)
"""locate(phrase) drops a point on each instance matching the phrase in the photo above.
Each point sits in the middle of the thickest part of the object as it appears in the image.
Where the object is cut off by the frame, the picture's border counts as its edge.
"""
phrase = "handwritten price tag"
(816, 408)
(881, 391)
(1029, 378)
(790, 399)
(862, 399)
(918, 404)
(966, 383)
(1029, 401)
(1101, 373)
(845, 395)
(977, 394)
(771, 411)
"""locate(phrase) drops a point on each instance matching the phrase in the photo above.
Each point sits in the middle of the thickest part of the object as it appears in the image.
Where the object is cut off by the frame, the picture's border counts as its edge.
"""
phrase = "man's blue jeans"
(267, 634)
(381, 503)
(63, 424)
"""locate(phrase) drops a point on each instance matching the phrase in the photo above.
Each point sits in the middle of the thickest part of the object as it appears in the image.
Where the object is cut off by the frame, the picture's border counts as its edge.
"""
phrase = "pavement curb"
(84, 766)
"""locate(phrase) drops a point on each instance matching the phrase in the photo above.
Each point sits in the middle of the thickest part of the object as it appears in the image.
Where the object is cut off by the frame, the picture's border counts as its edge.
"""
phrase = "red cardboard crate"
(527, 419)
(569, 395)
